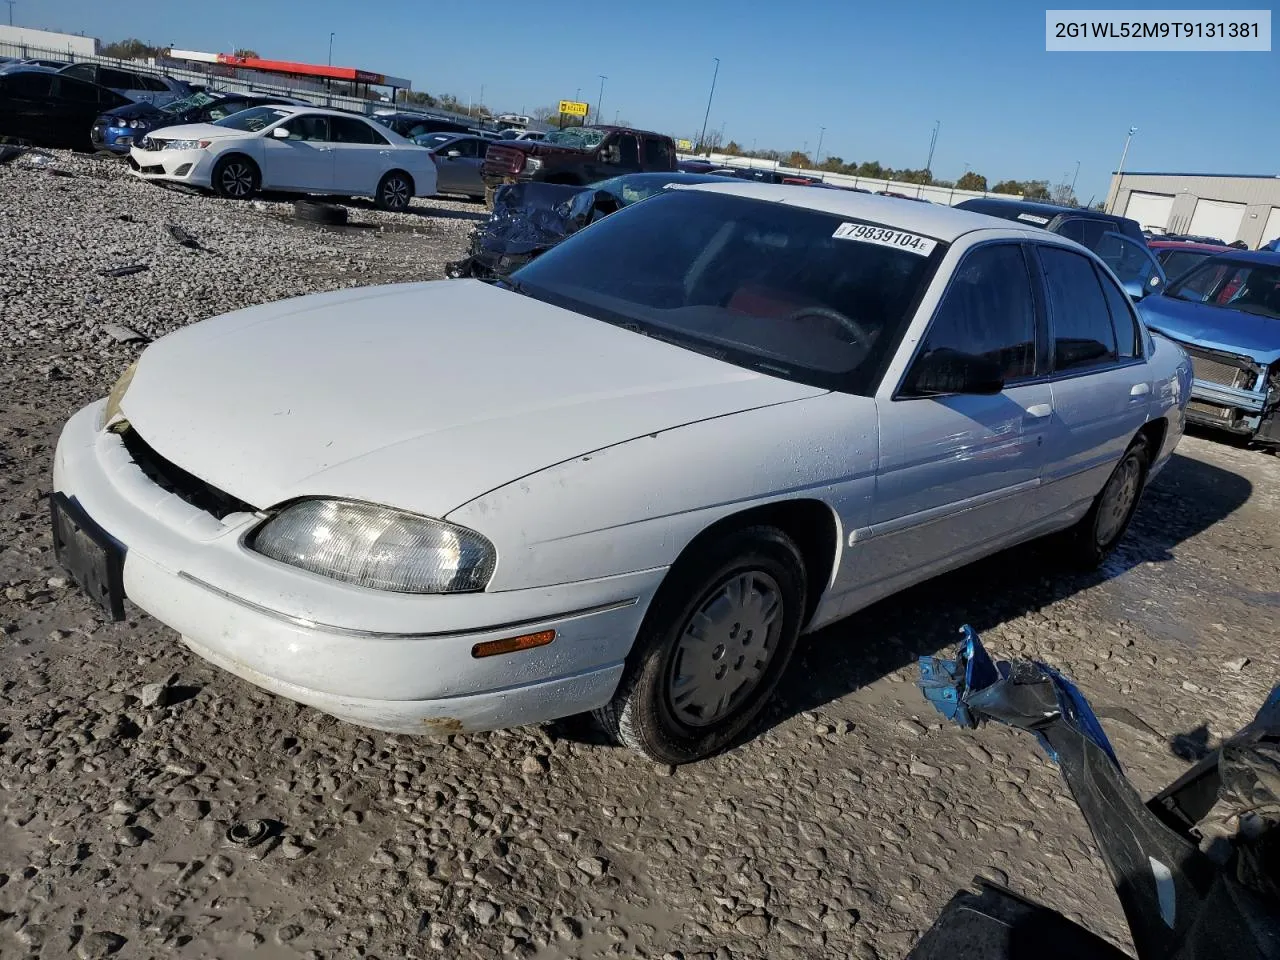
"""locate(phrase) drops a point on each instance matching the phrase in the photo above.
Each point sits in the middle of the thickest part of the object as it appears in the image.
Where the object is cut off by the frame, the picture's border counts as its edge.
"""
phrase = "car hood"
(136, 111)
(1216, 328)
(198, 131)
(420, 396)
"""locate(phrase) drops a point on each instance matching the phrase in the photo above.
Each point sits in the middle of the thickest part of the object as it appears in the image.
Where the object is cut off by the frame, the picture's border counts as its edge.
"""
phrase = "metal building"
(1228, 207)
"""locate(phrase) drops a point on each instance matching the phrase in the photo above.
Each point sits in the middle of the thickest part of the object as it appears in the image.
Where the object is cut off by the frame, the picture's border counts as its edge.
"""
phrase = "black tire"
(644, 714)
(315, 211)
(1093, 538)
(236, 177)
(395, 192)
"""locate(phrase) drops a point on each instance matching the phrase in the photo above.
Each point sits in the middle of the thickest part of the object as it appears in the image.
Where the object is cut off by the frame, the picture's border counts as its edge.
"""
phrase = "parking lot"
(838, 829)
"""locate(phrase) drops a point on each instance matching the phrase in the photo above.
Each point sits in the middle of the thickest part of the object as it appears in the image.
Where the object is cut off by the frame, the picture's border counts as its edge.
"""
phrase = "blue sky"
(877, 79)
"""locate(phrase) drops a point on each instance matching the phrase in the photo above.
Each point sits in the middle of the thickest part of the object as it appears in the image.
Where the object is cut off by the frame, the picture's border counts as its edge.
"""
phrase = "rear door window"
(1086, 232)
(1083, 336)
(117, 79)
(351, 130)
(1123, 318)
(81, 71)
(657, 154)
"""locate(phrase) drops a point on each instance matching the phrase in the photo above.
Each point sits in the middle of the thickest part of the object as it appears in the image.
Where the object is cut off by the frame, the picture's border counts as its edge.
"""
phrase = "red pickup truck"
(577, 156)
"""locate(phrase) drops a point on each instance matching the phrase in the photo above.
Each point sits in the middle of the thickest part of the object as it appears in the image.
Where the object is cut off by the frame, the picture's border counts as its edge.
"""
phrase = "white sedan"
(626, 479)
(293, 149)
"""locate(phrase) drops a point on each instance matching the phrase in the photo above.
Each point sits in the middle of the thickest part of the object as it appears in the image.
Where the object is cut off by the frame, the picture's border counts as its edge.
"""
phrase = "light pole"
(705, 116)
(937, 125)
(11, 4)
(331, 36)
(817, 157)
(600, 99)
(1074, 178)
(1120, 172)
(328, 81)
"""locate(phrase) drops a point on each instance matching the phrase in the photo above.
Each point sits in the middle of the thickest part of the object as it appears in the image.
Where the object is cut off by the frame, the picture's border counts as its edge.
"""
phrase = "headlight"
(116, 396)
(377, 547)
(121, 122)
(185, 144)
(135, 124)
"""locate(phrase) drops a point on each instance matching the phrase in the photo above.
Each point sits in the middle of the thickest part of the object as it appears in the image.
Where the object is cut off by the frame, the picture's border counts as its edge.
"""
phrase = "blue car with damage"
(1225, 313)
(120, 128)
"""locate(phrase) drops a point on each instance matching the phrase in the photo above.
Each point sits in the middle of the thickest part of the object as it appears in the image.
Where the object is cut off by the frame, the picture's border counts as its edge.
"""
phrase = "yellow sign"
(685, 145)
(573, 108)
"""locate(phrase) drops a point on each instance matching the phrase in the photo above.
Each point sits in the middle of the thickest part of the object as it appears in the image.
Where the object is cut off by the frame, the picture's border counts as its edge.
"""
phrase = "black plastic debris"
(125, 271)
(184, 238)
(528, 219)
(1195, 868)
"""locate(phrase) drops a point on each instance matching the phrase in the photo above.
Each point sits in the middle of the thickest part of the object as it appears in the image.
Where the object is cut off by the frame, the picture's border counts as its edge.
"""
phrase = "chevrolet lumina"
(626, 478)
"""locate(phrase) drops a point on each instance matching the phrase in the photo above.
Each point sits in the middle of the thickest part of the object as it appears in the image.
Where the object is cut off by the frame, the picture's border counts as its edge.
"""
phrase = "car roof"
(1049, 210)
(1262, 257)
(611, 127)
(1189, 245)
(292, 108)
(936, 220)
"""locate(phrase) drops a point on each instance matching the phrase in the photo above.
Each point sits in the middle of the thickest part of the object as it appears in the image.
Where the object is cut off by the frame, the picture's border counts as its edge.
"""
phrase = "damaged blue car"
(1225, 314)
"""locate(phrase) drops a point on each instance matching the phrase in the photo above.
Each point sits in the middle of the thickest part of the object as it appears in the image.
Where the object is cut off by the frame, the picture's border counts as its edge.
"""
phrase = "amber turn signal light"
(493, 648)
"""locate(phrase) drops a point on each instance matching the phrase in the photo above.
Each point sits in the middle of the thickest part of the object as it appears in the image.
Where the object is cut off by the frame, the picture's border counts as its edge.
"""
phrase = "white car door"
(958, 471)
(301, 159)
(1102, 387)
(361, 156)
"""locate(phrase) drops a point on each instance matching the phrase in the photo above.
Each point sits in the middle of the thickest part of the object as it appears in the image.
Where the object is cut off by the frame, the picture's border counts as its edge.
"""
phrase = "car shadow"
(432, 213)
(1188, 497)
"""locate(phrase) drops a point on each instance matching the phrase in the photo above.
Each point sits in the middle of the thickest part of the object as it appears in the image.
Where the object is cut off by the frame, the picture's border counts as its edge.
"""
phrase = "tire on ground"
(395, 192)
(315, 211)
(701, 636)
(236, 177)
(1096, 534)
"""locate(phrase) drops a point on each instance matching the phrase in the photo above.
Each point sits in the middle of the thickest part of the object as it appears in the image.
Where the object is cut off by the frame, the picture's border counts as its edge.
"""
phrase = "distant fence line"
(226, 78)
(933, 192)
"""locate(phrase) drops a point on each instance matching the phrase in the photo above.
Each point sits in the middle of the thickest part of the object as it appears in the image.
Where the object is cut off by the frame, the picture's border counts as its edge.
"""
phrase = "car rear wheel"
(395, 190)
(717, 638)
(236, 178)
(1098, 532)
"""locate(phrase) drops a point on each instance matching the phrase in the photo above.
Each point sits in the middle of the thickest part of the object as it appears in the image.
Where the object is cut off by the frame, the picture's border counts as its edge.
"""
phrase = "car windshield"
(189, 103)
(1233, 285)
(584, 138)
(253, 119)
(795, 293)
(1178, 262)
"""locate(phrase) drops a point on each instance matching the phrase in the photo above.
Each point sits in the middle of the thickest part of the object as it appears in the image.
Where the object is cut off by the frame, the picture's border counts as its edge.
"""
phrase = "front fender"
(635, 506)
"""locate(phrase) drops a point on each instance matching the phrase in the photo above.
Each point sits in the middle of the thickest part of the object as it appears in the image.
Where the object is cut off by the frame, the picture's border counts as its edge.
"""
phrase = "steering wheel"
(859, 332)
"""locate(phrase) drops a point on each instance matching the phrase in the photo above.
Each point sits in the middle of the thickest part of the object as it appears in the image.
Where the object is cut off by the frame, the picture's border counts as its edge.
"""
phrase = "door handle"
(1038, 411)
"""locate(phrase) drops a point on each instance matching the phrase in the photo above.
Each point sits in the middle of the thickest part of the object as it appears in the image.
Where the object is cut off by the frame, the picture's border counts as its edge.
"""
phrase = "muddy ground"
(838, 829)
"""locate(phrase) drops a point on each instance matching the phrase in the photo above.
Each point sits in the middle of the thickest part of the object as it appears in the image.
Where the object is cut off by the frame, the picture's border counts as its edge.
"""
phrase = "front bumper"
(394, 662)
(193, 167)
(117, 140)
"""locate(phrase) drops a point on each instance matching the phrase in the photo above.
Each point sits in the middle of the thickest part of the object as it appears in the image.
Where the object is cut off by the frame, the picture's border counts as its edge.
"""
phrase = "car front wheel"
(717, 638)
(236, 178)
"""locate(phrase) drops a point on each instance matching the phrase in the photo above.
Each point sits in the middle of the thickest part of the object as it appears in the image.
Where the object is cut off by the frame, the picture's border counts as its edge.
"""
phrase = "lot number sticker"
(1032, 218)
(885, 237)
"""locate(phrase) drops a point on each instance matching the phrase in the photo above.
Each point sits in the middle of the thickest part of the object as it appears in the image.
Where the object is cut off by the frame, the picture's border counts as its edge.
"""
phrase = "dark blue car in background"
(1225, 314)
(117, 130)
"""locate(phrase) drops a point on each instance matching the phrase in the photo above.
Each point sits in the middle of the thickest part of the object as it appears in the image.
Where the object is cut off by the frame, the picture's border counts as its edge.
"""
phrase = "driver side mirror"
(944, 371)
(454, 153)
(611, 154)
(280, 133)
(1135, 290)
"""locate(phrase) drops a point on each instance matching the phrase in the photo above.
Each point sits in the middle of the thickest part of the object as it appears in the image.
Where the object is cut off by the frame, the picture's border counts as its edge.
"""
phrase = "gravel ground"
(838, 830)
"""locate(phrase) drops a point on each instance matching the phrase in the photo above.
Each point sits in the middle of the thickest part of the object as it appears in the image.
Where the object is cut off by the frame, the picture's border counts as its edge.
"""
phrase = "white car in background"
(294, 149)
(627, 477)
